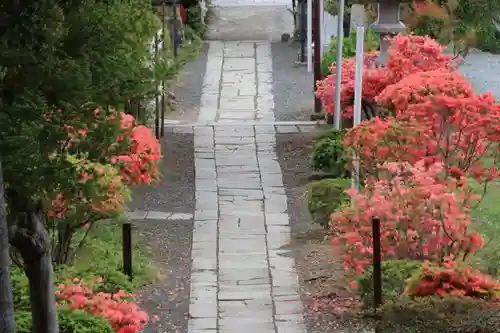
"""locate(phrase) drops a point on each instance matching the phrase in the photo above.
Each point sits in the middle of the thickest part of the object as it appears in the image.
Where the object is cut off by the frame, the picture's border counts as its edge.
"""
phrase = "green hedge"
(394, 275)
(69, 322)
(329, 154)
(325, 197)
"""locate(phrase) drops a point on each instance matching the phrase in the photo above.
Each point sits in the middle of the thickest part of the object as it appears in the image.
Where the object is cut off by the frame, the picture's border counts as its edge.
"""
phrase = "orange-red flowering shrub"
(455, 126)
(453, 279)
(408, 54)
(118, 309)
(380, 141)
(433, 134)
(100, 156)
(435, 117)
(423, 216)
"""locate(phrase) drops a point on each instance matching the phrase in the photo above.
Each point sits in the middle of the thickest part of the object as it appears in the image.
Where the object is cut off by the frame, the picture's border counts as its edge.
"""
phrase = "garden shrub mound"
(329, 154)
(439, 315)
(325, 197)
(394, 276)
(70, 321)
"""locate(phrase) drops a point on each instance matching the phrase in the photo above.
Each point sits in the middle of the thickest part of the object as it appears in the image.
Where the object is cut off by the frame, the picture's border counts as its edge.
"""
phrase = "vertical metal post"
(174, 28)
(157, 101)
(164, 37)
(309, 28)
(322, 25)
(317, 52)
(303, 28)
(377, 265)
(338, 60)
(294, 10)
(127, 249)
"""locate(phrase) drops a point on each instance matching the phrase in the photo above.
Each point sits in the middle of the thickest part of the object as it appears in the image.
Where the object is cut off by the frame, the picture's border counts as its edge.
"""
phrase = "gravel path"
(169, 239)
(187, 88)
(175, 193)
(292, 84)
(483, 70)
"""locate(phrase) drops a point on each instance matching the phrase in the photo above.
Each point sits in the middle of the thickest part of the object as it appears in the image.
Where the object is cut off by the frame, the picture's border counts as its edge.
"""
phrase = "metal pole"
(317, 52)
(338, 74)
(303, 28)
(309, 13)
(157, 101)
(174, 28)
(164, 37)
(127, 249)
(377, 265)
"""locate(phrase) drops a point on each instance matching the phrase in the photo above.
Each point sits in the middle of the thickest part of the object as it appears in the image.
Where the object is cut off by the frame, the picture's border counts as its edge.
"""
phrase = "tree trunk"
(32, 241)
(7, 321)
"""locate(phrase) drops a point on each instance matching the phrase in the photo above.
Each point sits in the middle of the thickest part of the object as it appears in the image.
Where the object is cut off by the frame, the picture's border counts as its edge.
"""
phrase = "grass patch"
(102, 252)
(486, 218)
(101, 256)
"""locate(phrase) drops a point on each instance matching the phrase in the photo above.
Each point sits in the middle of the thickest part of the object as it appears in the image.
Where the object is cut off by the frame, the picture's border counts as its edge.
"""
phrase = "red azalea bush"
(117, 154)
(434, 133)
(452, 279)
(118, 309)
(456, 127)
(408, 54)
(380, 141)
(423, 216)
(99, 155)
(435, 117)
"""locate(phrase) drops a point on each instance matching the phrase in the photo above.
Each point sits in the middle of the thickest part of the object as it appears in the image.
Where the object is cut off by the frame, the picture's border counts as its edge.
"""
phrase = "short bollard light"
(127, 248)
(377, 265)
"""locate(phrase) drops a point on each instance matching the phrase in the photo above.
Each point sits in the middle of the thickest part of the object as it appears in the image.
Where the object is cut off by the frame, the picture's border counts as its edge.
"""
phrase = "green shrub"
(326, 196)
(394, 275)
(470, 17)
(69, 322)
(348, 49)
(329, 154)
(20, 289)
(439, 315)
(195, 20)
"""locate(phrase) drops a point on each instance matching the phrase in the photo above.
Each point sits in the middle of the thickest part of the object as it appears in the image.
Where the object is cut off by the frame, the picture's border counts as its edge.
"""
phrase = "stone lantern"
(388, 23)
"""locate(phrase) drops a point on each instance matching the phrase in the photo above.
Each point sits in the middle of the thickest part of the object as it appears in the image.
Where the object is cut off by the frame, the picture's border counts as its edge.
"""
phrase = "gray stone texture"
(241, 277)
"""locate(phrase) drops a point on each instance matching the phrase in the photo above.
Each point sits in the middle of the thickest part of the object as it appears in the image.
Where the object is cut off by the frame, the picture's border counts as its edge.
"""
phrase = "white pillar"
(338, 74)
(358, 93)
(309, 36)
(322, 27)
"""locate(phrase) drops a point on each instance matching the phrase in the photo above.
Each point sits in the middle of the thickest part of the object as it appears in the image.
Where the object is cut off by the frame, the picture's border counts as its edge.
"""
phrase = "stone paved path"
(240, 282)
(237, 86)
(241, 279)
